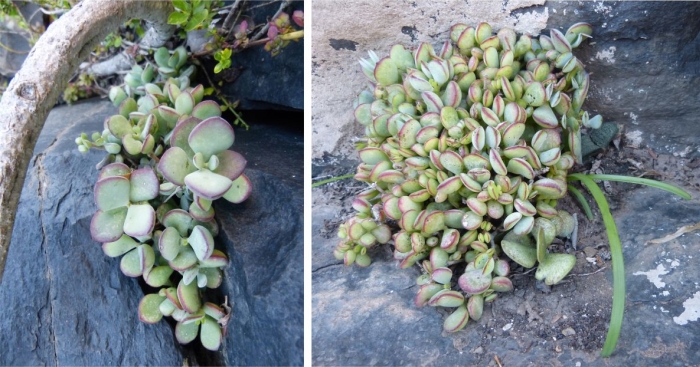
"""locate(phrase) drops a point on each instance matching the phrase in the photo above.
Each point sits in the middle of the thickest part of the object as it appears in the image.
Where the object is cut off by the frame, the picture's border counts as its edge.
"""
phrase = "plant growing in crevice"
(467, 150)
(167, 161)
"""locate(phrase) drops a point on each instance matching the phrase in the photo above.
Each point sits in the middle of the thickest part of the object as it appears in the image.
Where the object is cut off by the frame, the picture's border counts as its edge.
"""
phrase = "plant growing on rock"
(167, 161)
(467, 149)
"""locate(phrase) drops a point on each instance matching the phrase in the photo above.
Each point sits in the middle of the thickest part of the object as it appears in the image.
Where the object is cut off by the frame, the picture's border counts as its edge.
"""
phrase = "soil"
(570, 316)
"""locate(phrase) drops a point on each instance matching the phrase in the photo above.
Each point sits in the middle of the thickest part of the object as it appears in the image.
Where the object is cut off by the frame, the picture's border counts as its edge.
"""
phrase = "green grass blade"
(332, 179)
(618, 266)
(578, 195)
(643, 181)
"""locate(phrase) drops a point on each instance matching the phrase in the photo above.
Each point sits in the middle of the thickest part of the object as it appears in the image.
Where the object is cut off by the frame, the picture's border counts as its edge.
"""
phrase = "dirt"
(572, 315)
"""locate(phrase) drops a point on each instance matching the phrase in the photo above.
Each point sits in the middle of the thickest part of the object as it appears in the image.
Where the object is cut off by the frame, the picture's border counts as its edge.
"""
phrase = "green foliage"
(167, 161)
(224, 60)
(618, 267)
(191, 14)
(467, 148)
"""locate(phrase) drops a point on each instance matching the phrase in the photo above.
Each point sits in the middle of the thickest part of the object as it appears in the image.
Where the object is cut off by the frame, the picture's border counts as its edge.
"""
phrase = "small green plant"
(224, 60)
(167, 161)
(467, 149)
(191, 14)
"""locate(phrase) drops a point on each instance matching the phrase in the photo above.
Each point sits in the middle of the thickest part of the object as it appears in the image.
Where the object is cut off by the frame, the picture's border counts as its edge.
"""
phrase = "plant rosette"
(466, 151)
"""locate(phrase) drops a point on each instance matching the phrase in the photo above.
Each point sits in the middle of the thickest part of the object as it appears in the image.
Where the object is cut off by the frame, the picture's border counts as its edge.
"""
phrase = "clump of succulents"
(467, 150)
(167, 161)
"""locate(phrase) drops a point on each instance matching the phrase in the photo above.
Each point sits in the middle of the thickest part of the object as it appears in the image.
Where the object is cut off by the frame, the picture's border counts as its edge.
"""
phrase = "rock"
(590, 251)
(568, 332)
(643, 60)
(66, 303)
(633, 81)
(263, 81)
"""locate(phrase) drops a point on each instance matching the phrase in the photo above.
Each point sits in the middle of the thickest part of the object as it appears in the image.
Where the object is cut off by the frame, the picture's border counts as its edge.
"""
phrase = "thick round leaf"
(206, 109)
(240, 190)
(216, 260)
(210, 334)
(555, 267)
(179, 219)
(208, 184)
(158, 276)
(140, 220)
(149, 308)
(113, 169)
(211, 136)
(184, 104)
(201, 242)
(167, 308)
(181, 133)
(130, 264)
(526, 256)
(112, 192)
(214, 277)
(199, 214)
(108, 226)
(119, 247)
(186, 333)
(213, 311)
(169, 243)
(474, 281)
(119, 126)
(186, 259)
(168, 115)
(231, 164)
(188, 294)
(144, 185)
(174, 165)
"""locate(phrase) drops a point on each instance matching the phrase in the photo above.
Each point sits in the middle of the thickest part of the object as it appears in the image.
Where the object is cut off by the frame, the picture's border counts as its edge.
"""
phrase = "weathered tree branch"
(37, 85)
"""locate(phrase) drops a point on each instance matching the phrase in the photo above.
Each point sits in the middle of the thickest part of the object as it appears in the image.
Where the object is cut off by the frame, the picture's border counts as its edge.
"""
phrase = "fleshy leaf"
(130, 264)
(181, 133)
(119, 126)
(144, 185)
(525, 256)
(201, 242)
(216, 260)
(210, 334)
(206, 109)
(119, 247)
(169, 243)
(231, 164)
(474, 281)
(140, 220)
(179, 219)
(149, 308)
(112, 192)
(113, 169)
(188, 294)
(159, 276)
(240, 190)
(108, 226)
(184, 103)
(174, 165)
(213, 311)
(199, 214)
(214, 277)
(186, 333)
(186, 259)
(211, 136)
(208, 184)
(555, 267)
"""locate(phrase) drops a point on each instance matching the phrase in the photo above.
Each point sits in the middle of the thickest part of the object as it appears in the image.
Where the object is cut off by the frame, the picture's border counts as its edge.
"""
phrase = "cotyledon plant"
(467, 149)
(168, 161)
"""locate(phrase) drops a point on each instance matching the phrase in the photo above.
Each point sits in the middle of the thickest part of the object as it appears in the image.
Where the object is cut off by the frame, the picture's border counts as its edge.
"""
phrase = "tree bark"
(37, 85)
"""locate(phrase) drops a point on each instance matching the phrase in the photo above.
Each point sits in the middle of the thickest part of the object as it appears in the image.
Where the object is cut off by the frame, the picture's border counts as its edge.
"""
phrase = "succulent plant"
(467, 149)
(168, 160)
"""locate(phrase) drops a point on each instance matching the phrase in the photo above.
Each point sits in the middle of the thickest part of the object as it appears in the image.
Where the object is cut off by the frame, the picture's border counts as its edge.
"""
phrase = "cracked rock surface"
(65, 303)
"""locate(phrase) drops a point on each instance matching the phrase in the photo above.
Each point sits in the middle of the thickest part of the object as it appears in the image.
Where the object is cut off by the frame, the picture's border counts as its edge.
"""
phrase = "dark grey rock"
(64, 302)
(264, 81)
(649, 82)
(367, 316)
